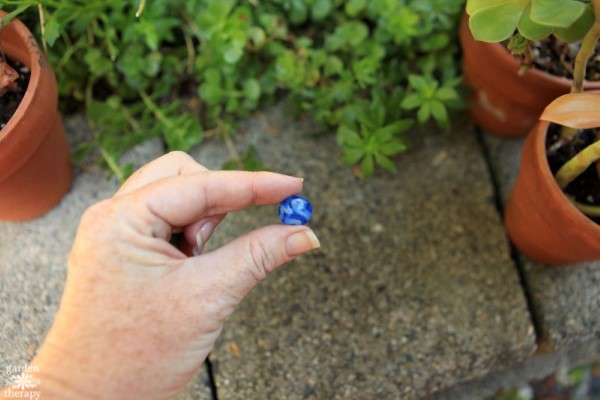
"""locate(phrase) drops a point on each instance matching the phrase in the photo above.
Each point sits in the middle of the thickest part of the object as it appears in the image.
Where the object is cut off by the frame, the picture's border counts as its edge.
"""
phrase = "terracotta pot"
(540, 220)
(503, 102)
(35, 169)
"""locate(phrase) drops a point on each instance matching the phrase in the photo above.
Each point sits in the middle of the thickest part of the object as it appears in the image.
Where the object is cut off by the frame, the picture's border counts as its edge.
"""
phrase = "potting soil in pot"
(586, 188)
(10, 100)
(557, 58)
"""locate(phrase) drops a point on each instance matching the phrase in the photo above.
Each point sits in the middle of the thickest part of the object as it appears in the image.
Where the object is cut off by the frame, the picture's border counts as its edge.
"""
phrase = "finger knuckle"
(178, 155)
(261, 260)
(95, 215)
(91, 232)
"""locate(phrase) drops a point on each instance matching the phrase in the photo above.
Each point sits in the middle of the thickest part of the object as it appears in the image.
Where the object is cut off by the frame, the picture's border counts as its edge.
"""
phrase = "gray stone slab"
(198, 388)
(33, 259)
(413, 290)
(566, 301)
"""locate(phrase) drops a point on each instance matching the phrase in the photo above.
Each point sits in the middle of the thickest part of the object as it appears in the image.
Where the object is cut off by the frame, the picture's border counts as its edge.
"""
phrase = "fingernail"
(202, 237)
(301, 242)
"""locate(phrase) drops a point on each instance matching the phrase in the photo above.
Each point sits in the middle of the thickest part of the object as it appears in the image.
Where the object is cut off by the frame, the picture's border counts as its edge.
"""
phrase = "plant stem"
(189, 44)
(155, 110)
(588, 46)
(230, 147)
(192, 25)
(576, 165)
(132, 121)
(112, 164)
(43, 27)
(110, 161)
(140, 8)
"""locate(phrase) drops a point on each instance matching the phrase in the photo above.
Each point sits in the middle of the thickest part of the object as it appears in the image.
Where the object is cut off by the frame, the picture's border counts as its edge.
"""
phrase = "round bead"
(295, 210)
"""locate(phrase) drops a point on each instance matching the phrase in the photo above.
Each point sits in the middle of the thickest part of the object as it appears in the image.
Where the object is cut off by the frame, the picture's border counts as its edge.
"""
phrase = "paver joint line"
(514, 255)
(211, 378)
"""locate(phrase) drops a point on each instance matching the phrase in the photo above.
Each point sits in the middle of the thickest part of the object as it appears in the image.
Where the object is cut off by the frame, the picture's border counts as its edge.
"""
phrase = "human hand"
(138, 316)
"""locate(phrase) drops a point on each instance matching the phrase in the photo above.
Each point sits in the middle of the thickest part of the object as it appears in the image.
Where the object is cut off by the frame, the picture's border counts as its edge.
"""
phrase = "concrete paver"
(413, 290)
(566, 301)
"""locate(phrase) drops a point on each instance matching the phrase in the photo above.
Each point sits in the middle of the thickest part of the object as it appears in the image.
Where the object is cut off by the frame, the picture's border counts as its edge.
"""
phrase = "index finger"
(184, 199)
(171, 164)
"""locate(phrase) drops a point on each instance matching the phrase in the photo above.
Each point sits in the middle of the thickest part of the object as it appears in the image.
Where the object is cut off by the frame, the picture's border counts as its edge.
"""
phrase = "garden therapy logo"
(22, 382)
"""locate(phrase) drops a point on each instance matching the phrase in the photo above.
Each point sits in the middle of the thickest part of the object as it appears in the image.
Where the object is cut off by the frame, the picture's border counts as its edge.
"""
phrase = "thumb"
(247, 260)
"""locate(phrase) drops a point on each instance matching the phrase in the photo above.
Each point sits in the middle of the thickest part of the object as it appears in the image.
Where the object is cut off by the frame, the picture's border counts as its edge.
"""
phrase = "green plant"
(569, 20)
(497, 20)
(129, 65)
(370, 139)
(430, 99)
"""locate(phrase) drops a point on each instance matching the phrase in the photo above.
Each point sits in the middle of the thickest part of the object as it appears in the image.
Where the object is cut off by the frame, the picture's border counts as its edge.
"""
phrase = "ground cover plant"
(366, 69)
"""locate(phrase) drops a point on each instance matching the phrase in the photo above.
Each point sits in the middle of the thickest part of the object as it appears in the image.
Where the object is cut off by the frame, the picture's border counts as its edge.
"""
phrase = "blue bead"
(295, 210)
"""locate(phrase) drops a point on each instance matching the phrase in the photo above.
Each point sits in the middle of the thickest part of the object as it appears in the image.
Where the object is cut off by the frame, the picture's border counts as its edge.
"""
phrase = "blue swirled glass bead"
(295, 210)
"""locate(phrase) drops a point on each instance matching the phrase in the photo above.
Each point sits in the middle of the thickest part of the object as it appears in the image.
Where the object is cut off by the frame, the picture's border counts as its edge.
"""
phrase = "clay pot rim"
(34, 77)
(31, 122)
(503, 56)
(540, 132)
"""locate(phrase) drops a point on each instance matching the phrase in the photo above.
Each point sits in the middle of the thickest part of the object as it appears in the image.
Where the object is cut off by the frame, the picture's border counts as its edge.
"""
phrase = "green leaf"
(257, 36)
(385, 162)
(4, 21)
(321, 9)
(268, 21)
(153, 61)
(220, 9)
(210, 93)
(578, 29)
(439, 112)
(418, 82)
(392, 147)
(349, 136)
(557, 13)
(81, 152)
(387, 132)
(252, 89)
(404, 25)
(98, 65)
(304, 42)
(249, 160)
(517, 44)
(435, 42)
(233, 52)
(412, 101)
(298, 13)
(352, 155)
(355, 33)
(446, 94)
(367, 166)
(52, 29)
(365, 71)
(532, 30)
(498, 22)
(99, 111)
(333, 65)
(474, 6)
(355, 7)
(348, 34)
(424, 112)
